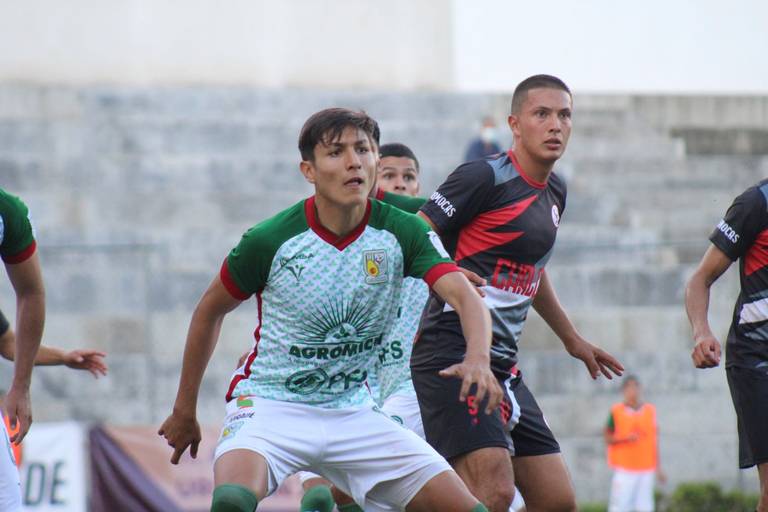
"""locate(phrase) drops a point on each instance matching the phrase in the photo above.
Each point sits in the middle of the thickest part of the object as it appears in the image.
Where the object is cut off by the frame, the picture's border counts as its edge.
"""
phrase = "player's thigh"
(749, 387)
(243, 467)
(487, 471)
(374, 459)
(445, 492)
(452, 427)
(544, 482)
(309, 480)
(405, 410)
(643, 495)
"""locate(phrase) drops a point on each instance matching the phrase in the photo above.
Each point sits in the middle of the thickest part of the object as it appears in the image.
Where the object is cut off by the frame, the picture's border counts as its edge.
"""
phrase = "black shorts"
(749, 391)
(454, 428)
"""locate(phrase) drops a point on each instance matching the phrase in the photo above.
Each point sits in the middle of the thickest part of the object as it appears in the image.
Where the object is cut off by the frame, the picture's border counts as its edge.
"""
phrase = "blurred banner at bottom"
(53, 469)
(131, 470)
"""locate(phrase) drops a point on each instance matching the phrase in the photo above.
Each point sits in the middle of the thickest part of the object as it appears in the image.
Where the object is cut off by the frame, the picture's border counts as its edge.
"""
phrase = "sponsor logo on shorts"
(375, 266)
(443, 203)
(728, 231)
(241, 416)
(397, 419)
(244, 401)
(231, 429)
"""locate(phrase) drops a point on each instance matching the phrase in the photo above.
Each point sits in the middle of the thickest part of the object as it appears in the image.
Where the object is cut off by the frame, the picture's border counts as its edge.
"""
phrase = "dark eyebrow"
(389, 168)
(337, 144)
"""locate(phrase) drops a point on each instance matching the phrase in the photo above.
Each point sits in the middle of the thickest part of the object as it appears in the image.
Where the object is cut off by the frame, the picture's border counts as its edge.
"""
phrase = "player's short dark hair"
(628, 379)
(535, 82)
(397, 149)
(326, 126)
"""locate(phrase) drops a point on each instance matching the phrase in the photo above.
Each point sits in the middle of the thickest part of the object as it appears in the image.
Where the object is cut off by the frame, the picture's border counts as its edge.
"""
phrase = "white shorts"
(10, 486)
(362, 451)
(404, 409)
(632, 491)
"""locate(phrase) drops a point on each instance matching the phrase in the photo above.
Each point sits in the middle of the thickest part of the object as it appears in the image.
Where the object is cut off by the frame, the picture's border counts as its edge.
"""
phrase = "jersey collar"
(522, 173)
(332, 238)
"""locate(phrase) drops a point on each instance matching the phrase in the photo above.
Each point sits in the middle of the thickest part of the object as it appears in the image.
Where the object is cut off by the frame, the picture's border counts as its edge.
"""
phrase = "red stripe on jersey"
(439, 271)
(22, 256)
(251, 357)
(229, 283)
(476, 236)
(757, 255)
(332, 238)
(532, 182)
(379, 194)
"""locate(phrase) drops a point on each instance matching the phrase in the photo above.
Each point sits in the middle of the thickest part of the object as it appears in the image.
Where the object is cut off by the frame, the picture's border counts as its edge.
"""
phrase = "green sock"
(233, 498)
(317, 499)
(350, 507)
(479, 508)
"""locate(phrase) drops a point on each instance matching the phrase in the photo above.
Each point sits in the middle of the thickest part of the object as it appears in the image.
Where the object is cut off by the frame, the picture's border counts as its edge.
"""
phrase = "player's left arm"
(596, 359)
(457, 291)
(78, 359)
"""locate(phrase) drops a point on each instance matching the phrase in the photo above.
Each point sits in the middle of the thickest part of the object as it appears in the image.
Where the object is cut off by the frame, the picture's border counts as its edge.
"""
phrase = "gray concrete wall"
(138, 194)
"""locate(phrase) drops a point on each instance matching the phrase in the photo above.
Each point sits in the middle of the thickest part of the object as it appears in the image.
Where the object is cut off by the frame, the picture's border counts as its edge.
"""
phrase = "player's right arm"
(181, 428)
(27, 282)
(706, 352)
(731, 239)
(475, 320)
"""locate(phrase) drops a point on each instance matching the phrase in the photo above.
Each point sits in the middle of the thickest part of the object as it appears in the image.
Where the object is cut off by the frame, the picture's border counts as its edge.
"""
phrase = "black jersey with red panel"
(743, 235)
(499, 223)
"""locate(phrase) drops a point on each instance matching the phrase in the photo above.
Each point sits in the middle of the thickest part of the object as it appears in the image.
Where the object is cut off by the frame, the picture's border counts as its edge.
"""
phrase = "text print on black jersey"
(518, 278)
(443, 203)
(728, 231)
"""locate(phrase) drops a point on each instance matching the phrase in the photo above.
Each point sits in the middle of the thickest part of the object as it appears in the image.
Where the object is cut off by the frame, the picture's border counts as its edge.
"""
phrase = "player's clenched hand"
(91, 360)
(18, 411)
(478, 373)
(706, 353)
(181, 430)
(596, 359)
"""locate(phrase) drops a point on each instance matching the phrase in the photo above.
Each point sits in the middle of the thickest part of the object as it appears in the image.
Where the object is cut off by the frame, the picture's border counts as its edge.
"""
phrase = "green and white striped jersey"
(324, 303)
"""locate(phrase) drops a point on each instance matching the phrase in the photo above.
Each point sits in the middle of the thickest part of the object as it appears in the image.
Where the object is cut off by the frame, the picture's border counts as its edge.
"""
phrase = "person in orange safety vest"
(631, 436)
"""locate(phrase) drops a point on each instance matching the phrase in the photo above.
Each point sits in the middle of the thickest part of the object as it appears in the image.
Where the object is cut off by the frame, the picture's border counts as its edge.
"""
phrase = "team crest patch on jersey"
(375, 266)
(555, 215)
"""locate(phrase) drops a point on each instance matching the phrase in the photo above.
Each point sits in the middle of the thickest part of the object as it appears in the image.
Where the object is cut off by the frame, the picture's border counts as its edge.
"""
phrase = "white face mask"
(488, 134)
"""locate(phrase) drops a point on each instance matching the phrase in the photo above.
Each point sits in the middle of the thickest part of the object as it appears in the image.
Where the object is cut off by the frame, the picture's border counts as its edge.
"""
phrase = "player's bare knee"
(501, 498)
(340, 497)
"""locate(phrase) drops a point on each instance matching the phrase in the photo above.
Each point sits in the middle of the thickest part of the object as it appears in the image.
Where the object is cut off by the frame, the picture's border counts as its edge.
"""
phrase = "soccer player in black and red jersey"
(498, 217)
(741, 235)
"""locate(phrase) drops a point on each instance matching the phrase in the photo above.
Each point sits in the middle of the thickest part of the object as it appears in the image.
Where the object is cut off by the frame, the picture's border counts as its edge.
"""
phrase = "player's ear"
(514, 124)
(308, 170)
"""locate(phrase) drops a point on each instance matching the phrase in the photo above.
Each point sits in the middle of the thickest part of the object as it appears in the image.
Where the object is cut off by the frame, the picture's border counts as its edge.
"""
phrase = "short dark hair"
(398, 150)
(535, 82)
(629, 378)
(326, 126)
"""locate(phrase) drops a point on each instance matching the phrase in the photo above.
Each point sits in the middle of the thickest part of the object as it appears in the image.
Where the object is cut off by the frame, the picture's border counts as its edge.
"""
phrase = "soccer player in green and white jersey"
(390, 383)
(326, 273)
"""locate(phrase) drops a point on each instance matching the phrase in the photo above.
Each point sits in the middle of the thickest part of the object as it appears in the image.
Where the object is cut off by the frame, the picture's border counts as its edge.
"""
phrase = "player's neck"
(634, 404)
(533, 168)
(337, 219)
